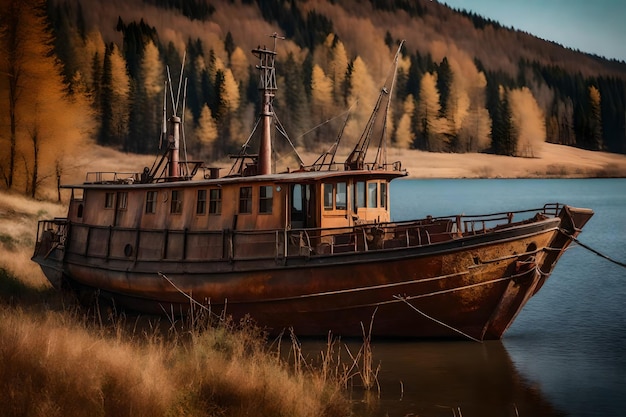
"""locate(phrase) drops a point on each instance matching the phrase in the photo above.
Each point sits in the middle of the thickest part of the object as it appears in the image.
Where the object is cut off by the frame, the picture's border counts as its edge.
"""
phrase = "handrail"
(110, 242)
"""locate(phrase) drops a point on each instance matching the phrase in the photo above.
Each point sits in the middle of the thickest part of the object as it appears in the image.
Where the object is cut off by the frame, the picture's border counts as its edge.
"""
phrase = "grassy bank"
(58, 364)
(58, 359)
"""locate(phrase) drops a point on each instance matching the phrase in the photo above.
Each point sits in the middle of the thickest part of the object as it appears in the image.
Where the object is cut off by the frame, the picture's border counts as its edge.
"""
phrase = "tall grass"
(57, 359)
(65, 363)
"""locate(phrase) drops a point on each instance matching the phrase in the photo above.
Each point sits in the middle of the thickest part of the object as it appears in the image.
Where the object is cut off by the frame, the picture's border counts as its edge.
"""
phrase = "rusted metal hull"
(472, 286)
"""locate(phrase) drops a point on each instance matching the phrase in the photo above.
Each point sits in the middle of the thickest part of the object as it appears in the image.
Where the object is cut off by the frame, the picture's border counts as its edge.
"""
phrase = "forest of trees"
(62, 80)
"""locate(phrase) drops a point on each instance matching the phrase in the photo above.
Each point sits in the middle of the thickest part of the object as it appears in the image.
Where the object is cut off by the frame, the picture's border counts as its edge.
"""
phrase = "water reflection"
(448, 379)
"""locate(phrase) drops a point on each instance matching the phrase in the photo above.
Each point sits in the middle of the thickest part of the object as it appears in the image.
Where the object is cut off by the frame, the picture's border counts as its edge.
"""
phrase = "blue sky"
(594, 26)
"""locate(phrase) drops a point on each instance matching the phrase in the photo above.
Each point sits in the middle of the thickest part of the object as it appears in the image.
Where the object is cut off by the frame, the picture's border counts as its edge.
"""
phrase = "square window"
(122, 201)
(109, 198)
(215, 201)
(176, 203)
(201, 202)
(151, 197)
(372, 194)
(341, 201)
(245, 200)
(328, 196)
(383, 194)
(265, 199)
(359, 195)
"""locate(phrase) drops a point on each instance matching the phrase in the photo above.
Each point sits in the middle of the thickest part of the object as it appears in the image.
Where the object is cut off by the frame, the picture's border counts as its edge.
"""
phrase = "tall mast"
(267, 86)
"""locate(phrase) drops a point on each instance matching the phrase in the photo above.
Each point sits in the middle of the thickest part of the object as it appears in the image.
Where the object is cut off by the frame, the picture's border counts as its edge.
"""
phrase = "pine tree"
(404, 136)
(504, 141)
(595, 119)
(206, 133)
(291, 102)
(444, 85)
(431, 127)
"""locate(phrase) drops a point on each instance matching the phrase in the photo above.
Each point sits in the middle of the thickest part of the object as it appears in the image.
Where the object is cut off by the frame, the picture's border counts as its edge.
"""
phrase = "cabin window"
(359, 195)
(265, 199)
(176, 202)
(215, 201)
(328, 196)
(201, 202)
(79, 212)
(122, 201)
(109, 198)
(296, 198)
(383, 194)
(372, 194)
(151, 197)
(245, 200)
(341, 201)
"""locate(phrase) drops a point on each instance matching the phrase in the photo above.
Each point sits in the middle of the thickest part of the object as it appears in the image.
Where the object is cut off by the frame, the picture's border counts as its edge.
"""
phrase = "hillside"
(96, 73)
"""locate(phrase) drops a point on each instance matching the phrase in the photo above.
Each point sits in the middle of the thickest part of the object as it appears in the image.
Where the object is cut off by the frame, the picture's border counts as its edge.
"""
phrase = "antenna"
(180, 81)
(182, 127)
(164, 127)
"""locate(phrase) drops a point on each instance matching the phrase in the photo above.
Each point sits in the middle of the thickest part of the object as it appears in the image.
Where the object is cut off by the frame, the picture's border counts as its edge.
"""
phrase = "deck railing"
(119, 243)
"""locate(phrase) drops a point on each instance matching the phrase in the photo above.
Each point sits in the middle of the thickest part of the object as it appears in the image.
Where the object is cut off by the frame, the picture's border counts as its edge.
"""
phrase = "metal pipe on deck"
(174, 146)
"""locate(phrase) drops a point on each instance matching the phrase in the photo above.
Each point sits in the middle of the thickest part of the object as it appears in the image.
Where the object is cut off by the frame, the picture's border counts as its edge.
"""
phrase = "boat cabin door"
(302, 206)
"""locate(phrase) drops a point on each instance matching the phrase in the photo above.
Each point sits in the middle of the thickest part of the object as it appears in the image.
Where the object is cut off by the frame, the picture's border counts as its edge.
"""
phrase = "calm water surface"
(565, 355)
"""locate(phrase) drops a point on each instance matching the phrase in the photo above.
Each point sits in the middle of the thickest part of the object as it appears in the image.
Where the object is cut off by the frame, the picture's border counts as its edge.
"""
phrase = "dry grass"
(18, 226)
(57, 360)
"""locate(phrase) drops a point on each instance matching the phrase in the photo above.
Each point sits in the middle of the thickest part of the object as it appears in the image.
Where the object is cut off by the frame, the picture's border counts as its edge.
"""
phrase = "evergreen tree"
(504, 140)
(106, 99)
(293, 107)
(595, 119)
(444, 85)
(229, 45)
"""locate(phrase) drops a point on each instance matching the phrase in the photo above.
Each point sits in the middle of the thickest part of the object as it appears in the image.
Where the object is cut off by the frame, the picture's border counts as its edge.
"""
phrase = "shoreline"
(553, 161)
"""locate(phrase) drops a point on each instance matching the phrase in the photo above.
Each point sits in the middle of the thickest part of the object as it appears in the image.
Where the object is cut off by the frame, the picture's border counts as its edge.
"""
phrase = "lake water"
(565, 355)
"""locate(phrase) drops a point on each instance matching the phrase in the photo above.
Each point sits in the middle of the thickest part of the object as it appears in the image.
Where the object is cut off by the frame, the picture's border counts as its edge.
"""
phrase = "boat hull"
(472, 286)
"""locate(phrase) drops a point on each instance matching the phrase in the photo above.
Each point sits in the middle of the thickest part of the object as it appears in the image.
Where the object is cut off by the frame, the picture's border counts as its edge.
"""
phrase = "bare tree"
(44, 122)
(12, 40)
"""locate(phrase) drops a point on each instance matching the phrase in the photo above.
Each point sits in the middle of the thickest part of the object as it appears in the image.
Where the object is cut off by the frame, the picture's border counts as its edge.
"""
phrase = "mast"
(356, 159)
(174, 147)
(267, 85)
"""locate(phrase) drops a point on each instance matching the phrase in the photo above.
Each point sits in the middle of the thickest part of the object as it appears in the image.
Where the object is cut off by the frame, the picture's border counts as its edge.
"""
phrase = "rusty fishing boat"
(312, 248)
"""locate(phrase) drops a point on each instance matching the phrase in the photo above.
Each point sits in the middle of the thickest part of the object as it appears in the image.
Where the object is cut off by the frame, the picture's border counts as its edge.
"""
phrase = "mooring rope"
(191, 300)
(405, 300)
(600, 254)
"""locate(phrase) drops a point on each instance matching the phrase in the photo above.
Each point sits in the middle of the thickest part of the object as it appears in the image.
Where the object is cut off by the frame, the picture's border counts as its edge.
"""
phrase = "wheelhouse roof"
(280, 178)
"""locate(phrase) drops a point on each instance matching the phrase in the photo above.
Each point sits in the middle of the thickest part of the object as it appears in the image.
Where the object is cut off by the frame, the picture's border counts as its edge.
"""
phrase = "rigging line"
(281, 129)
(600, 254)
(325, 122)
(383, 138)
(169, 79)
(180, 81)
(398, 297)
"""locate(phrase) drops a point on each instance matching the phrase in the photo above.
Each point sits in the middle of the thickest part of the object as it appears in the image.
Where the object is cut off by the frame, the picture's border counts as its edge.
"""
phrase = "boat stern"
(50, 249)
